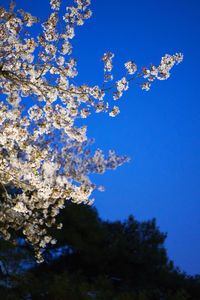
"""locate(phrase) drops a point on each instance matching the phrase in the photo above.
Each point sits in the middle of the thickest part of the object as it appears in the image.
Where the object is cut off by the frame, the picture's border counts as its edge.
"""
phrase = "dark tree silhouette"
(95, 259)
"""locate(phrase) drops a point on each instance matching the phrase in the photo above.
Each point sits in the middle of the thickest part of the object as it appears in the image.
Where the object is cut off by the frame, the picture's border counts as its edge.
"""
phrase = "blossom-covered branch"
(42, 152)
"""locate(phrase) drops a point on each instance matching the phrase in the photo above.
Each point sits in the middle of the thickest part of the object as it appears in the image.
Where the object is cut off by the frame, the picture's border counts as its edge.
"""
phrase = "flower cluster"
(131, 67)
(42, 152)
(115, 111)
(107, 58)
(162, 72)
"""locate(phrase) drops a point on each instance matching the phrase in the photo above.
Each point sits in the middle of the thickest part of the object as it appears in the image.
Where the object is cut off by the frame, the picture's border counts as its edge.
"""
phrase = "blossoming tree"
(42, 152)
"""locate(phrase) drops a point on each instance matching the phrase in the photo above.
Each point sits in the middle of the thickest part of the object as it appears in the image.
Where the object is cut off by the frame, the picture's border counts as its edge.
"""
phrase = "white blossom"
(115, 111)
(42, 152)
(131, 67)
(122, 85)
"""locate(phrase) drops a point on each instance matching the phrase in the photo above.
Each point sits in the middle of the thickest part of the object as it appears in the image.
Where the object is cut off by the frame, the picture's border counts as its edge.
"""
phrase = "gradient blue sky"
(158, 129)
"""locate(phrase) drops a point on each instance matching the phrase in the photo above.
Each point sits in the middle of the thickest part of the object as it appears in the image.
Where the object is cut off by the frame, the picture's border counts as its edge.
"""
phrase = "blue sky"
(158, 129)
